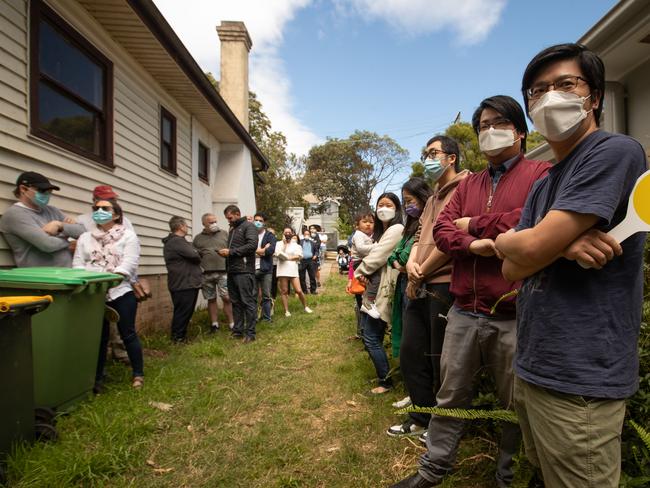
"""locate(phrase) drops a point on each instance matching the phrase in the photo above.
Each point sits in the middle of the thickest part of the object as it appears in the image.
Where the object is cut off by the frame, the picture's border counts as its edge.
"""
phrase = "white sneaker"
(308, 310)
(373, 312)
(287, 314)
(231, 326)
(404, 402)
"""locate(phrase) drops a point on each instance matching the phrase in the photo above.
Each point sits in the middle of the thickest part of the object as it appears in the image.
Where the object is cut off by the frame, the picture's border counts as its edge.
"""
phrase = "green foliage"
(465, 414)
(643, 434)
(281, 188)
(350, 169)
(345, 228)
(533, 140)
(471, 156)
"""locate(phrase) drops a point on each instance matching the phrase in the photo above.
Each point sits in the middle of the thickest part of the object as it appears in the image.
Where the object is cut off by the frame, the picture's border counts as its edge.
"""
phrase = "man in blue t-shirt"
(578, 328)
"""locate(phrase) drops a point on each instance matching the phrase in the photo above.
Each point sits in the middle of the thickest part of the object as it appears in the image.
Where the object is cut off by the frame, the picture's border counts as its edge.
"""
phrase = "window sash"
(167, 147)
(102, 151)
(204, 162)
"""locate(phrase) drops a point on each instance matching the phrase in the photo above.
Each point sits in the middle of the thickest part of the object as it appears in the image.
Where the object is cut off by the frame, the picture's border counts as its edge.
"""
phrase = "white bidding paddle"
(637, 218)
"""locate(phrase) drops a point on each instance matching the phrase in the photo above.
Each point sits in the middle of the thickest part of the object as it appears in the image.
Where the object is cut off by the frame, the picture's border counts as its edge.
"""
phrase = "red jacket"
(476, 281)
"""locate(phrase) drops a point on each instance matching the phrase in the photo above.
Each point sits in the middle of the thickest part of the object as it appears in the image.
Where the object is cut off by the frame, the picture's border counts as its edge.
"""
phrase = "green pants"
(576, 441)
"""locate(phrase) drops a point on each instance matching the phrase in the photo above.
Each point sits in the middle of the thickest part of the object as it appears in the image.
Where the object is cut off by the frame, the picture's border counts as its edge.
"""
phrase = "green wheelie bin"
(66, 336)
(16, 379)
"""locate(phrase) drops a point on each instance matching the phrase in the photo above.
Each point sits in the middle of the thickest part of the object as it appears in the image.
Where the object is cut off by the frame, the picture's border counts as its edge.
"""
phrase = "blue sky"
(398, 67)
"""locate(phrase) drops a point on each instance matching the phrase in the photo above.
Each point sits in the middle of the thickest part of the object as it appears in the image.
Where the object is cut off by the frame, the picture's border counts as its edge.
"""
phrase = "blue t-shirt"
(578, 328)
(307, 252)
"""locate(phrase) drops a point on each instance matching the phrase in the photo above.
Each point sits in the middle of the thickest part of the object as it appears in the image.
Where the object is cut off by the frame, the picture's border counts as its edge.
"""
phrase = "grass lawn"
(289, 410)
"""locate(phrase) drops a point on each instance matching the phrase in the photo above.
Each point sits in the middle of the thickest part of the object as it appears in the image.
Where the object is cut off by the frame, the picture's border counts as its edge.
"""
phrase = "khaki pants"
(576, 441)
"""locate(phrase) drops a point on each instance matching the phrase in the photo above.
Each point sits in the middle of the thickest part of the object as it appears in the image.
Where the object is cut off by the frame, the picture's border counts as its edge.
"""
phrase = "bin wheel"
(45, 432)
(45, 415)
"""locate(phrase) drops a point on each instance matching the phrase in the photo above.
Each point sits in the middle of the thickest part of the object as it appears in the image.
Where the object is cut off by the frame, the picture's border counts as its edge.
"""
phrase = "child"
(362, 244)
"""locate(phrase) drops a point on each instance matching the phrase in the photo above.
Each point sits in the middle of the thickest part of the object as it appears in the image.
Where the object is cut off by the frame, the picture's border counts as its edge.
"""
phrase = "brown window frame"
(166, 114)
(38, 12)
(204, 177)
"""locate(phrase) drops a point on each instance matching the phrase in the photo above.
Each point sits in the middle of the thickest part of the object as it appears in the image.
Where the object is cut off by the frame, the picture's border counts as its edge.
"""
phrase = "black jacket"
(183, 263)
(242, 243)
(266, 261)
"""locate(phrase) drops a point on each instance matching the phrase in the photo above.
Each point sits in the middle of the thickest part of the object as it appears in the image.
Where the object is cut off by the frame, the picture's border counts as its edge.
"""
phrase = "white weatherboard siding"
(150, 196)
(637, 84)
(202, 192)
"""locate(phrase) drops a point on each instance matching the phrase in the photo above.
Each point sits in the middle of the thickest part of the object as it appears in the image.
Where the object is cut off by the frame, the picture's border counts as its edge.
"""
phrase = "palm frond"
(465, 414)
(643, 434)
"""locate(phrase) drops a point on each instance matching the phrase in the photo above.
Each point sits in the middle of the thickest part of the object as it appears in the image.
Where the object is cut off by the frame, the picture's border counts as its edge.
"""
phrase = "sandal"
(137, 382)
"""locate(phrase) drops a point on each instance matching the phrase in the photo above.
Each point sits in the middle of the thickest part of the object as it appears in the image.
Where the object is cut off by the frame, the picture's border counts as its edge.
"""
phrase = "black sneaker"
(408, 428)
(214, 328)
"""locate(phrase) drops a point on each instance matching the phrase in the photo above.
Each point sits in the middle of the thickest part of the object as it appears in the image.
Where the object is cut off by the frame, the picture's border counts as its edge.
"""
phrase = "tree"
(471, 156)
(281, 188)
(351, 169)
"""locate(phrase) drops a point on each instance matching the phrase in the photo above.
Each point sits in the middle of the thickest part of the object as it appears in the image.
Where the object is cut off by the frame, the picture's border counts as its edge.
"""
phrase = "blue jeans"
(264, 281)
(126, 306)
(373, 338)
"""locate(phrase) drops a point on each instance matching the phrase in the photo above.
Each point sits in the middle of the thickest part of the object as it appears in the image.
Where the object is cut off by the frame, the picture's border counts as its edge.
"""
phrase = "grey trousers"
(472, 343)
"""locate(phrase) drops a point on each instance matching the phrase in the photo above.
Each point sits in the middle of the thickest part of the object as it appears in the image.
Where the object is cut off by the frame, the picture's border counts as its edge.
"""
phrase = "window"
(204, 163)
(167, 141)
(71, 88)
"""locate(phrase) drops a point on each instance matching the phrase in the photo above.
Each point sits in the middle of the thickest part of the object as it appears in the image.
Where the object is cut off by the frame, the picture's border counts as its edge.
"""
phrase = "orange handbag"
(356, 287)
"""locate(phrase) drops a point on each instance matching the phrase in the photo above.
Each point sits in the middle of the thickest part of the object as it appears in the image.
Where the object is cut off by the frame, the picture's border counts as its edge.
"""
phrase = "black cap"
(36, 180)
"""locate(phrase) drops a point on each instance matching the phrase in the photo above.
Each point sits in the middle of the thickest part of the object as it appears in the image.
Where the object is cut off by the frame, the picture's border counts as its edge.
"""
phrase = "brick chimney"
(233, 85)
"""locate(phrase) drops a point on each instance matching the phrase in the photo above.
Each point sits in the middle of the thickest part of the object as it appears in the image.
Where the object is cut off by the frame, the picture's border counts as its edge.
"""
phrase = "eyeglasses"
(431, 154)
(107, 208)
(498, 123)
(564, 83)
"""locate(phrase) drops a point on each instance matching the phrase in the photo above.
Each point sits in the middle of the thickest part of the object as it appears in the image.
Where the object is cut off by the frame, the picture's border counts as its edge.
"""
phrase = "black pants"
(184, 304)
(274, 283)
(242, 291)
(308, 266)
(423, 332)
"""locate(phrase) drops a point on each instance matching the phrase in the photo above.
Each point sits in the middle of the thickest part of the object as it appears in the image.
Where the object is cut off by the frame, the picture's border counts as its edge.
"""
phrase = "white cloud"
(195, 23)
(470, 20)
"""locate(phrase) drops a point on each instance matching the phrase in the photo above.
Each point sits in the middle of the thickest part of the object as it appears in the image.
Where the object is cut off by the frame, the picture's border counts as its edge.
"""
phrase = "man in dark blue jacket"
(264, 265)
(240, 266)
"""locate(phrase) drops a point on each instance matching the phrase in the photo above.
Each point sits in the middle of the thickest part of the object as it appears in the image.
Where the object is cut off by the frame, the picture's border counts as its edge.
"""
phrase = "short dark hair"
(231, 209)
(420, 189)
(117, 210)
(449, 146)
(176, 223)
(398, 219)
(592, 67)
(363, 215)
(260, 214)
(509, 108)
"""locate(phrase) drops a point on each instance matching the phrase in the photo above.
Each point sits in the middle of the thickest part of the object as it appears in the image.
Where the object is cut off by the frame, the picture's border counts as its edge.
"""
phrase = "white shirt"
(258, 259)
(128, 247)
(286, 267)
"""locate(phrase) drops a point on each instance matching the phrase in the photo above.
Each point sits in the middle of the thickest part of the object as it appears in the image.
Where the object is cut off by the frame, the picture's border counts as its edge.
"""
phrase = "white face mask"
(557, 115)
(494, 141)
(213, 227)
(386, 214)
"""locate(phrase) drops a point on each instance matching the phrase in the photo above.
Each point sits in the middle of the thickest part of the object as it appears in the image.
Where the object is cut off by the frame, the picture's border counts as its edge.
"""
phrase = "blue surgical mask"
(41, 199)
(259, 224)
(102, 216)
(434, 169)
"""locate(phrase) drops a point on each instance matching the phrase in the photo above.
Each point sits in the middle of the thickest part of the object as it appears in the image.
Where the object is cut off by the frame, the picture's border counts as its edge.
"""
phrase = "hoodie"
(183, 263)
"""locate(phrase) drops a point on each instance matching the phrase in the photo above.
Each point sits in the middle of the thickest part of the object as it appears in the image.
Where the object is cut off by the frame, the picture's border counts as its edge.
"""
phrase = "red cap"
(104, 192)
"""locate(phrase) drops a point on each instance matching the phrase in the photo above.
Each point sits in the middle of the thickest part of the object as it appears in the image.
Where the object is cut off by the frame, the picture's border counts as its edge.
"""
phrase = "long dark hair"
(398, 219)
(419, 188)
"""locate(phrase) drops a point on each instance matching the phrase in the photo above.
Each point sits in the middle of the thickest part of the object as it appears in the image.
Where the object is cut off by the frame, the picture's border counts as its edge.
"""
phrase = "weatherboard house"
(103, 92)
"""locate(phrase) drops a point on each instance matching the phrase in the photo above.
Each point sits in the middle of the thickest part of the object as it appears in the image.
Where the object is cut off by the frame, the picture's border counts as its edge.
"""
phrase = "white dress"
(286, 267)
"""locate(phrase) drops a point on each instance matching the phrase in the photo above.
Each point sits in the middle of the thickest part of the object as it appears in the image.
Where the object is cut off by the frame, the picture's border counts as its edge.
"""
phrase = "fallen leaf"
(350, 403)
(165, 407)
(151, 462)
(163, 470)
(190, 428)
(333, 449)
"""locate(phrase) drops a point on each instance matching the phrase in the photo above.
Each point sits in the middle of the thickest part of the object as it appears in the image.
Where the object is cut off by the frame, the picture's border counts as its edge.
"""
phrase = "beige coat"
(376, 260)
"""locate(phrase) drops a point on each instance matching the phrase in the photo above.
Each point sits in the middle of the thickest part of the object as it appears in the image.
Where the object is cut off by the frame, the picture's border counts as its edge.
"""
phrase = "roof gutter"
(159, 27)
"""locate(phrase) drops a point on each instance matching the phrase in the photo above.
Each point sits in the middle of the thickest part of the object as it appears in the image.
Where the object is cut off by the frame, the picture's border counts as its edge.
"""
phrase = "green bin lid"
(55, 276)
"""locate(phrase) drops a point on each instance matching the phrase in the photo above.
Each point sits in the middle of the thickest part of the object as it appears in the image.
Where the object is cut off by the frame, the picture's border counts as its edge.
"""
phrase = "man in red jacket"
(485, 204)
